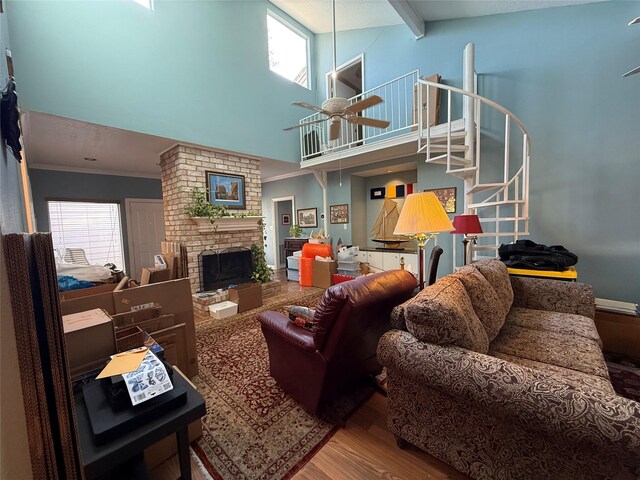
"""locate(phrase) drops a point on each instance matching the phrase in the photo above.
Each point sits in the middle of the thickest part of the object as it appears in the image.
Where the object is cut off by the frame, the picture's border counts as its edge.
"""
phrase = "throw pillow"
(486, 303)
(497, 275)
(302, 316)
(442, 314)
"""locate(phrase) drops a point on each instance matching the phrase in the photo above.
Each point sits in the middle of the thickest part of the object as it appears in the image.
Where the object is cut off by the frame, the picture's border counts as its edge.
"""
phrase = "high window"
(92, 226)
(288, 50)
(145, 3)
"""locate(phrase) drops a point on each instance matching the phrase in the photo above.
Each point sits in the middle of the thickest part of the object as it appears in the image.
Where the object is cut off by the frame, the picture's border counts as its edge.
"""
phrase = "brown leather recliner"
(313, 367)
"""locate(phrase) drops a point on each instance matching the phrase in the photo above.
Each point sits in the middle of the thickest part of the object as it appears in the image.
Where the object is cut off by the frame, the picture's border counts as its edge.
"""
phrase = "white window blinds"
(91, 226)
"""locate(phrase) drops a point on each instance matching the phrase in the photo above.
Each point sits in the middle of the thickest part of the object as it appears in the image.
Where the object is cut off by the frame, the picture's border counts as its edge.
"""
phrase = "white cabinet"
(379, 261)
(376, 261)
(410, 262)
(390, 261)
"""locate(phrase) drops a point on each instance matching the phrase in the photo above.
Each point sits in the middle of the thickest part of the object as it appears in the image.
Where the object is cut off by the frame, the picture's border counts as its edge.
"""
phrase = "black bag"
(533, 256)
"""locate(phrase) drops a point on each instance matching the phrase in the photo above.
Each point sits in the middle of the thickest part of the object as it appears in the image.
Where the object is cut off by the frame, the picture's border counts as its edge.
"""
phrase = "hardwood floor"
(364, 449)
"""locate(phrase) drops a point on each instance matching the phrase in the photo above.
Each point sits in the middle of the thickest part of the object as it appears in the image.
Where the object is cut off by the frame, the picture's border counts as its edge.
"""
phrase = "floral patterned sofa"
(503, 378)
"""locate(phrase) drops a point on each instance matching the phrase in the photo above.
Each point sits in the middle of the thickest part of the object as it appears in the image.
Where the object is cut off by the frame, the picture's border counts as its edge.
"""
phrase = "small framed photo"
(378, 193)
(286, 219)
(308, 217)
(226, 190)
(447, 197)
(339, 213)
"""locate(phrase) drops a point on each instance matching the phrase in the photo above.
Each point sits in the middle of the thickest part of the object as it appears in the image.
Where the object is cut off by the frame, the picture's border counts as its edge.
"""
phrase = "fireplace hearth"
(219, 269)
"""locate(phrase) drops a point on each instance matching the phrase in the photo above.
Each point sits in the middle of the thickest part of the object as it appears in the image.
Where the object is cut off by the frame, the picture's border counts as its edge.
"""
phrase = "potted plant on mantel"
(213, 218)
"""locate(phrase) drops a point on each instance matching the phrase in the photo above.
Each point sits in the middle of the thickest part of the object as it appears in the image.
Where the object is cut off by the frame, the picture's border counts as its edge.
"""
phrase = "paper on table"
(124, 362)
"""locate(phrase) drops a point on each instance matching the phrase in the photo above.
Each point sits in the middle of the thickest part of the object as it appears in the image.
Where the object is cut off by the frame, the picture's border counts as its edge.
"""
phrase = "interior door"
(145, 231)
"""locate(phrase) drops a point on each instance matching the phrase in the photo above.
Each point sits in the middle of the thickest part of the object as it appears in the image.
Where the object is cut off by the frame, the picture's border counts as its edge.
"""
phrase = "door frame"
(127, 209)
(347, 64)
(275, 224)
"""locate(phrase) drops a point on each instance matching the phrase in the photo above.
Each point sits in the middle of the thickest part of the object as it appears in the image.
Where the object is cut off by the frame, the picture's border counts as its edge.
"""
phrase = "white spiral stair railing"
(499, 191)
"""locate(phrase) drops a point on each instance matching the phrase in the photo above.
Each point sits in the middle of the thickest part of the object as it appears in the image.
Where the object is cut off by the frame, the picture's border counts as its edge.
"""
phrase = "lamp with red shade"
(469, 226)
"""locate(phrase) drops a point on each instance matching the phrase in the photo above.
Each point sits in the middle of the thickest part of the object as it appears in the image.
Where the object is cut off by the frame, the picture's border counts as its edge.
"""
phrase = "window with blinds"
(91, 226)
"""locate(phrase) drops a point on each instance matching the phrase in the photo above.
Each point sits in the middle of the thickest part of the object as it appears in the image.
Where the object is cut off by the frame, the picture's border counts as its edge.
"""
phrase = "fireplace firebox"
(219, 269)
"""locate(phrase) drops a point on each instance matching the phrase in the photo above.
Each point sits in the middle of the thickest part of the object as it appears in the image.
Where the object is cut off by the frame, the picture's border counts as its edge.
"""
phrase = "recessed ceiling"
(355, 14)
(58, 143)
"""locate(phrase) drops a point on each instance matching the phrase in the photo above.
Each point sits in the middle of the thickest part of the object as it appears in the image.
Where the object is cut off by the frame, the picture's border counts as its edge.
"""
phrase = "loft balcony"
(361, 145)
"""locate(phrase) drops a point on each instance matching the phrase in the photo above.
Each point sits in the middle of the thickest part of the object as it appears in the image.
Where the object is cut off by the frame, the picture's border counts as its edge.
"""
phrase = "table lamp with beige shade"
(422, 217)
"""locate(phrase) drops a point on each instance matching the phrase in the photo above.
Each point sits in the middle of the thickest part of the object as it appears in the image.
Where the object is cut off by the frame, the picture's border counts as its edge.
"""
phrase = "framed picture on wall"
(447, 197)
(226, 190)
(308, 217)
(286, 219)
(339, 213)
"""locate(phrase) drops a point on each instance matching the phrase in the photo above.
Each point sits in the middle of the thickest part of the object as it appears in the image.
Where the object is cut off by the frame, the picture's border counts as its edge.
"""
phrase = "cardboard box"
(620, 333)
(154, 275)
(85, 299)
(175, 298)
(248, 296)
(322, 275)
(90, 340)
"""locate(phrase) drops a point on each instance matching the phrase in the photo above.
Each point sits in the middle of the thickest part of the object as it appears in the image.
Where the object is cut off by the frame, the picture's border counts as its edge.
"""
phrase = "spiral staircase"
(476, 139)
(499, 191)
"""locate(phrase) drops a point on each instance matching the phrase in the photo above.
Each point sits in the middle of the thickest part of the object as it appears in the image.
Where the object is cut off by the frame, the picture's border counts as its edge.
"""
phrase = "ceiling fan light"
(335, 104)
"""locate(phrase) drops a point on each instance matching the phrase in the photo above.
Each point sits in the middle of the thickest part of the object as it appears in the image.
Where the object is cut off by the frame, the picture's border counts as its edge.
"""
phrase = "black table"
(98, 459)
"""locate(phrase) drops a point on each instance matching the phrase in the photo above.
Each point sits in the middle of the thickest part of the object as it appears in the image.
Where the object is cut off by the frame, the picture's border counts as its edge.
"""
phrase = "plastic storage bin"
(293, 275)
(349, 272)
(292, 263)
(352, 265)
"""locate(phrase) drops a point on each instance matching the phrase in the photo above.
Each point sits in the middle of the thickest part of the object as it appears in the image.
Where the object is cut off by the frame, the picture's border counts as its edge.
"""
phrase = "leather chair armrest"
(283, 327)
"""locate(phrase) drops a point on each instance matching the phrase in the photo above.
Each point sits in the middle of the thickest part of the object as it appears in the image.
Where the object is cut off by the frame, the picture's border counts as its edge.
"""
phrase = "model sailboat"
(382, 230)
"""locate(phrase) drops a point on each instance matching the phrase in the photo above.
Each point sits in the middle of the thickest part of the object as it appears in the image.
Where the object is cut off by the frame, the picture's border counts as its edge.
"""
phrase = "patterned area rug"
(252, 429)
(625, 375)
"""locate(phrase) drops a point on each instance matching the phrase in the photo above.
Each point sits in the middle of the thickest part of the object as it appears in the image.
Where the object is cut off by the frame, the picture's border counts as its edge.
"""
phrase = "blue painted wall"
(56, 185)
(559, 70)
(191, 71)
(307, 193)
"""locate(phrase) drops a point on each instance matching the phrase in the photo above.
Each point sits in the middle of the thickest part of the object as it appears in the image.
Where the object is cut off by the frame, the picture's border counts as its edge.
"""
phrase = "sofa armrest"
(281, 325)
(553, 295)
(527, 397)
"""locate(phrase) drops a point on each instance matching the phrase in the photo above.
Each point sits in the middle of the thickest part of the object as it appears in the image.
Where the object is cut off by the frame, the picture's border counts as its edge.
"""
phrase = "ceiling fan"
(339, 108)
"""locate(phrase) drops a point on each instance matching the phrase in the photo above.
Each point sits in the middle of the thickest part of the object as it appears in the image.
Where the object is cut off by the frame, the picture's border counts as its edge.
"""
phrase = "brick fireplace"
(183, 168)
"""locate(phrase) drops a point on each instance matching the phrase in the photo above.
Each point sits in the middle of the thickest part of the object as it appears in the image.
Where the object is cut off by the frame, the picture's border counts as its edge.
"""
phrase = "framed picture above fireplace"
(226, 190)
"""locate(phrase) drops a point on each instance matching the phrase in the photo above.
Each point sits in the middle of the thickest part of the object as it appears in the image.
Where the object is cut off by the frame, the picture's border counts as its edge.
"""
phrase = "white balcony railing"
(399, 97)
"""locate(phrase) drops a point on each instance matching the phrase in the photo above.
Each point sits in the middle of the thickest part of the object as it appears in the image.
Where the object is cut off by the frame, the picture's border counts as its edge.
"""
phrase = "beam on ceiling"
(414, 21)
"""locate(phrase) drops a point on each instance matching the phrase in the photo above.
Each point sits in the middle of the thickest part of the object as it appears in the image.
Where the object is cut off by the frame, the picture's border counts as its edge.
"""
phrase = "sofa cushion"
(559, 349)
(554, 322)
(488, 307)
(442, 314)
(572, 377)
(497, 275)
